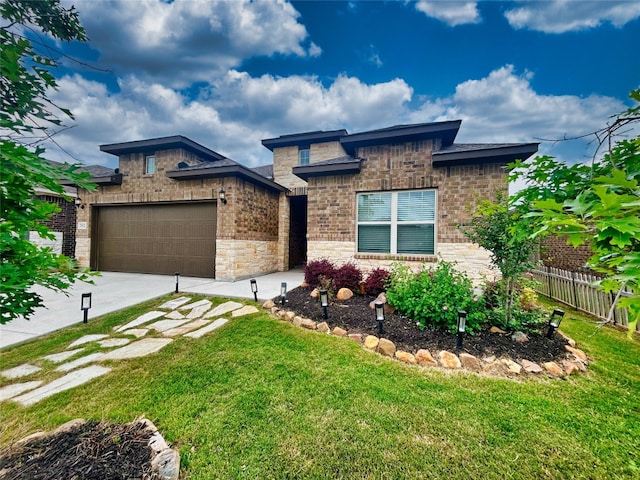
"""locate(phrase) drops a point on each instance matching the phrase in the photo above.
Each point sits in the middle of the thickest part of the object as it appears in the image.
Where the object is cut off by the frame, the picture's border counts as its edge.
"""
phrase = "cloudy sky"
(229, 74)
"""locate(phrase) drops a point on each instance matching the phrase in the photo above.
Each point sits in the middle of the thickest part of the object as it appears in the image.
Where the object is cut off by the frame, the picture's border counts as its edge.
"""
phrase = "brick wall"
(285, 158)
(332, 199)
(554, 252)
(251, 212)
(407, 166)
(64, 222)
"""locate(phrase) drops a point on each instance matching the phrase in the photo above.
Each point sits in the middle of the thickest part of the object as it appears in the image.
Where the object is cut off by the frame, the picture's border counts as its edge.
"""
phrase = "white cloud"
(188, 41)
(504, 107)
(559, 16)
(451, 12)
(232, 119)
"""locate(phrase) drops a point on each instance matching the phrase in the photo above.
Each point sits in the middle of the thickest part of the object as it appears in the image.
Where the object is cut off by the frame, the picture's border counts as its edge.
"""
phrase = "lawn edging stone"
(575, 362)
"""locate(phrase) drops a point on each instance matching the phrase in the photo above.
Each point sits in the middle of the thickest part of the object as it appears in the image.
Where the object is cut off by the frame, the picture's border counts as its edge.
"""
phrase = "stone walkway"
(142, 336)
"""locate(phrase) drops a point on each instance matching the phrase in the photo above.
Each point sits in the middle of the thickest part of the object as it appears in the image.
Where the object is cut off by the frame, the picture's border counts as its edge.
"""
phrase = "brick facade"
(250, 215)
(554, 252)
(63, 222)
(407, 166)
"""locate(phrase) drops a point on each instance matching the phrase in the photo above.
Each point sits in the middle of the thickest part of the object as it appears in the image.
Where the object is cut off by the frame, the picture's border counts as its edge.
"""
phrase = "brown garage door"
(161, 239)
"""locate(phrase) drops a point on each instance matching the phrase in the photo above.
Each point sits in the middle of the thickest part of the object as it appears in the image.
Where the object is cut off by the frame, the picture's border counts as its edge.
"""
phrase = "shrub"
(348, 276)
(433, 297)
(376, 281)
(314, 269)
(526, 312)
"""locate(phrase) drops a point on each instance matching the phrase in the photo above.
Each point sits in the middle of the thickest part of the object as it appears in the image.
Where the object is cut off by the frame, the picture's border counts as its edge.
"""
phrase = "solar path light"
(254, 288)
(462, 326)
(85, 305)
(379, 309)
(283, 293)
(554, 321)
(177, 274)
(324, 301)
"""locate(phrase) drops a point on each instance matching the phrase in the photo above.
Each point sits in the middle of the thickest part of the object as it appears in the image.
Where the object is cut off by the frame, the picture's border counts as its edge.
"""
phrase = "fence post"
(549, 281)
(575, 291)
(613, 299)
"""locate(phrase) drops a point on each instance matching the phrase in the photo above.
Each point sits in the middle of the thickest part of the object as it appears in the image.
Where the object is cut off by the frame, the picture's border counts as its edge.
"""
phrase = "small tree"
(598, 204)
(25, 111)
(502, 231)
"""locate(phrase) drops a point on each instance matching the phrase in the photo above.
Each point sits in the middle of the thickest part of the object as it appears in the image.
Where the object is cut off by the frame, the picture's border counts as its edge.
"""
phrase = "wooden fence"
(577, 290)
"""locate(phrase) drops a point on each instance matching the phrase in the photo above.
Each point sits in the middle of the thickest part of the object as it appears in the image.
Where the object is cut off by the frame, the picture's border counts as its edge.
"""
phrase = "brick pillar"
(283, 233)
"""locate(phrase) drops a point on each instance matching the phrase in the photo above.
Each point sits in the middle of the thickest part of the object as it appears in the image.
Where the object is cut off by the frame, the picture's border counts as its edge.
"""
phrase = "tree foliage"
(507, 236)
(597, 204)
(26, 68)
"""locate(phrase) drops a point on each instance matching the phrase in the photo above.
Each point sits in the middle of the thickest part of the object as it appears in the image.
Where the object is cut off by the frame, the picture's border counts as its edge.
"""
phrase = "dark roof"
(223, 168)
(303, 140)
(264, 170)
(447, 131)
(163, 143)
(464, 154)
(335, 166)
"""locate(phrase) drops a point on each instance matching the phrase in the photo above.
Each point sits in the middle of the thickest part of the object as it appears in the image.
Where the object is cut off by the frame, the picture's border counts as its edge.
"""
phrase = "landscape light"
(324, 301)
(379, 308)
(85, 305)
(554, 321)
(254, 288)
(283, 293)
(177, 274)
(462, 326)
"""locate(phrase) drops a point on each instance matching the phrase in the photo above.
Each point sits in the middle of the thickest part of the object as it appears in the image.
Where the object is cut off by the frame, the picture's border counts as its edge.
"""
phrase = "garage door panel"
(157, 239)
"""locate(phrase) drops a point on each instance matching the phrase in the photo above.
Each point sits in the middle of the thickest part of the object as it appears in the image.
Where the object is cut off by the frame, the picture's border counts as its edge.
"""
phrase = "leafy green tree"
(498, 228)
(597, 204)
(26, 113)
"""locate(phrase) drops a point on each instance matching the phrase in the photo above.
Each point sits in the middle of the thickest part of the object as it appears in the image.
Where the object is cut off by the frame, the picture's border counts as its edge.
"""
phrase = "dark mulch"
(89, 451)
(355, 316)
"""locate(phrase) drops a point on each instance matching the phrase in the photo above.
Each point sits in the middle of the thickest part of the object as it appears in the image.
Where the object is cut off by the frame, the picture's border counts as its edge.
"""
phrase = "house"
(372, 198)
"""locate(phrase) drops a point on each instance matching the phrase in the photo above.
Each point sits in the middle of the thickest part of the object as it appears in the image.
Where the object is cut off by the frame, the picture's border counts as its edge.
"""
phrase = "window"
(303, 156)
(397, 222)
(150, 164)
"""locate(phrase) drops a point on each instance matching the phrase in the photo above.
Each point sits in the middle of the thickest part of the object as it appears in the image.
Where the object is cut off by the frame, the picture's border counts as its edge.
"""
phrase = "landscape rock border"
(575, 361)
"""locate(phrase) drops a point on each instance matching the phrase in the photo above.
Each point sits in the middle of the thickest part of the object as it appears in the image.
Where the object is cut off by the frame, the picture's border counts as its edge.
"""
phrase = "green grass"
(260, 398)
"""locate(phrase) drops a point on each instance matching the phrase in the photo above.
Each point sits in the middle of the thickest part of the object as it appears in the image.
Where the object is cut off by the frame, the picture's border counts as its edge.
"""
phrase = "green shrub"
(433, 297)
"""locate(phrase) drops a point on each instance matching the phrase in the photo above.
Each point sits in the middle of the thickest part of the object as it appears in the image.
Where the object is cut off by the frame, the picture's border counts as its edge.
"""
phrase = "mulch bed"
(355, 316)
(90, 451)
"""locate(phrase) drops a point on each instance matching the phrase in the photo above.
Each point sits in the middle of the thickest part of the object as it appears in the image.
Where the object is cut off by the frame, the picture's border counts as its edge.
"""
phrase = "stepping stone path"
(193, 320)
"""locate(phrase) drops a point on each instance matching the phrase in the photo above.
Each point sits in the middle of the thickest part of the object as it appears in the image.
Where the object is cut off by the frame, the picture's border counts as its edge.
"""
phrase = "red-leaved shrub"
(375, 282)
(315, 269)
(348, 276)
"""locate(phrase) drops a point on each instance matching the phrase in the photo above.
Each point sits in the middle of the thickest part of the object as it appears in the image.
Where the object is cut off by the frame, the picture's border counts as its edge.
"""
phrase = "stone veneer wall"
(238, 259)
(332, 204)
(285, 158)
(250, 215)
(471, 258)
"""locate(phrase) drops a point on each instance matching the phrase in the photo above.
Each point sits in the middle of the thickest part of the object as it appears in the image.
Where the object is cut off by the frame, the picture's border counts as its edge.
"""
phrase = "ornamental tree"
(26, 113)
(598, 204)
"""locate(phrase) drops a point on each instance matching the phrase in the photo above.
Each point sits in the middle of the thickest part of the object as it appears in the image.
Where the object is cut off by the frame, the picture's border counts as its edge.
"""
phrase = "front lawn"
(260, 398)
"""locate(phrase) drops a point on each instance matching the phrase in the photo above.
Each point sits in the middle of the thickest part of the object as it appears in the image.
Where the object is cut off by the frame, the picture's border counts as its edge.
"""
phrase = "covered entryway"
(155, 238)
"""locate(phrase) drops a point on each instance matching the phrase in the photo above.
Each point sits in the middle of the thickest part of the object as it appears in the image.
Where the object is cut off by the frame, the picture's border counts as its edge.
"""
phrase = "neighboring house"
(555, 252)
(371, 198)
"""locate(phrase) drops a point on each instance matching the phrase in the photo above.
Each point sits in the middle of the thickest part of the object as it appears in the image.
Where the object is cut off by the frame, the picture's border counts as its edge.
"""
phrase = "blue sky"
(228, 74)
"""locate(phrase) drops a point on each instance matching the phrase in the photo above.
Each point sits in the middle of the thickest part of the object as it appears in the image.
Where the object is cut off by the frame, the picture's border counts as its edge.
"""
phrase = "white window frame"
(147, 170)
(394, 223)
(308, 156)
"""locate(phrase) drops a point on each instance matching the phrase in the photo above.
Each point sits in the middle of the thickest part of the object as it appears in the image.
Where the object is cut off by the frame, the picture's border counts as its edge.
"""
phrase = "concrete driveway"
(113, 291)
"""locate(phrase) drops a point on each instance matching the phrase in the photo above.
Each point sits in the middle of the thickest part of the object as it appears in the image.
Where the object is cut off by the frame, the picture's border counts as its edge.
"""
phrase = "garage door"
(161, 239)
